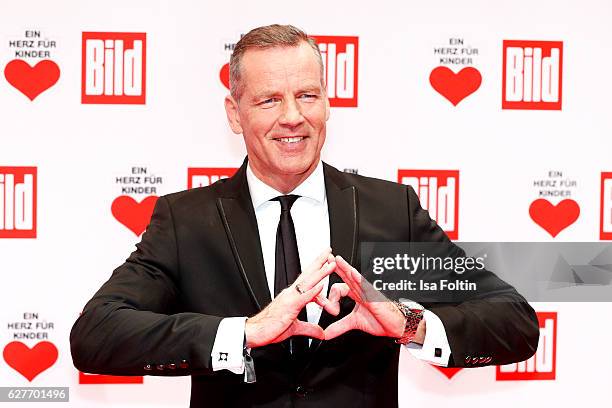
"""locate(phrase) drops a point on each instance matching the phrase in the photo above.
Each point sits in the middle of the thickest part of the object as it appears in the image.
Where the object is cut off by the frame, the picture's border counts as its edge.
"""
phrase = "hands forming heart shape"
(373, 312)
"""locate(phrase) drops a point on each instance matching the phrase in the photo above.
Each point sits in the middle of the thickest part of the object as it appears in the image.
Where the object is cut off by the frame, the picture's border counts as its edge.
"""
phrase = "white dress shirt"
(311, 220)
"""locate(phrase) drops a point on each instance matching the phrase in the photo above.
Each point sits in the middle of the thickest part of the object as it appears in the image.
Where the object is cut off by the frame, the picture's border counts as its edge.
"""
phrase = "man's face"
(281, 112)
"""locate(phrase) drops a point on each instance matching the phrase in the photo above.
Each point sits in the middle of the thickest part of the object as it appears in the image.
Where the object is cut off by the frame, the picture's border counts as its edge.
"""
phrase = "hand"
(373, 312)
(278, 320)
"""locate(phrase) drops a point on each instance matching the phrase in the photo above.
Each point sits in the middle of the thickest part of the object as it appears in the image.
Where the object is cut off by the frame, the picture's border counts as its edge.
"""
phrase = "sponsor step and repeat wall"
(496, 114)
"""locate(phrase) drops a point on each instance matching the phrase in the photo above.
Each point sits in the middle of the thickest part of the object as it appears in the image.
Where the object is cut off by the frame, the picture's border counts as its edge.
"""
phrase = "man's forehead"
(268, 68)
(280, 61)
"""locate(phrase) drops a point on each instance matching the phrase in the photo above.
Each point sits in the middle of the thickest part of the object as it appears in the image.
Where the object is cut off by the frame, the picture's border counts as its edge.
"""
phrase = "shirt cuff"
(227, 351)
(435, 348)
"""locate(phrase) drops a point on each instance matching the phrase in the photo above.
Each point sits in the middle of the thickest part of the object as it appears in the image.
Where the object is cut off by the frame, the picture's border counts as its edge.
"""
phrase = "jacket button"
(468, 359)
(172, 366)
(474, 360)
(160, 367)
(148, 367)
(488, 359)
(301, 391)
(183, 364)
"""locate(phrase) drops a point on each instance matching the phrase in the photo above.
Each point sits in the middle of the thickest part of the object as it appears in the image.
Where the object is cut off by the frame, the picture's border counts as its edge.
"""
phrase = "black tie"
(288, 263)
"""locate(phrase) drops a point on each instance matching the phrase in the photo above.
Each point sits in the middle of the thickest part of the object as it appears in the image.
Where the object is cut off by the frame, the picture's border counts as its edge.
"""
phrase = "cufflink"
(223, 356)
(437, 352)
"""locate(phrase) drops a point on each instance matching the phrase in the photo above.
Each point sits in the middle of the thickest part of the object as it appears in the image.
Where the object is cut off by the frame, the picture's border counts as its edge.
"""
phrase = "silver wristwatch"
(413, 312)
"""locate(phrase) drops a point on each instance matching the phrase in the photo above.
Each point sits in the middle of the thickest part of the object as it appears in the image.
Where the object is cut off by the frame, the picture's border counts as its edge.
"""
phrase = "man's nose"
(291, 113)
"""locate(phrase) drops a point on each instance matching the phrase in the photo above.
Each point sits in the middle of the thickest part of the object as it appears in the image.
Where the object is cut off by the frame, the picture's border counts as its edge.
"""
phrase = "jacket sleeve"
(494, 326)
(129, 328)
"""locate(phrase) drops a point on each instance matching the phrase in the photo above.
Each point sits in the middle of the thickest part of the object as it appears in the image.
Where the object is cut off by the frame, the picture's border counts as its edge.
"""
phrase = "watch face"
(411, 305)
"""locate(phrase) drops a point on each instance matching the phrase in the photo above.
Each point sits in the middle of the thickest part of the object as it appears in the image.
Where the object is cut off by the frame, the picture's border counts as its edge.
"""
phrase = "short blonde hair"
(274, 35)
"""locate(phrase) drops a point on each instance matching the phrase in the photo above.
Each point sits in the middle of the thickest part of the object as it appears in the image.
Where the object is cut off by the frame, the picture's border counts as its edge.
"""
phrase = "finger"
(301, 328)
(353, 278)
(360, 286)
(340, 327)
(309, 280)
(345, 271)
(323, 301)
(350, 272)
(310, 295)
(315, 265)
(319, 261)
(328, 306)
(337, 292)
(315, 295)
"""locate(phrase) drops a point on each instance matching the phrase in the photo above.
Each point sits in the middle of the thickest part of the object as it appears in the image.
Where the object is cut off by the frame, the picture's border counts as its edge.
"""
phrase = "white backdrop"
(504, 158)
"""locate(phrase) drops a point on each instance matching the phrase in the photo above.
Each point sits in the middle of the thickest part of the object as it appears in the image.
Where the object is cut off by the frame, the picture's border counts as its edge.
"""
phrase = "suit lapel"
(238, 216)
(342, 206)
(343, 225)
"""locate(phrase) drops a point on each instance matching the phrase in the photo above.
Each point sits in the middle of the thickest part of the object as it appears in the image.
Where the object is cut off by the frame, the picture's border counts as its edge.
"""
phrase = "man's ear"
(326, 105)
(233, 117)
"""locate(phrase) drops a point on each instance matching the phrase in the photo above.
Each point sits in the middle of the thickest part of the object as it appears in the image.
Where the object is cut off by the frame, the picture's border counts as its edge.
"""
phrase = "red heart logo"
(32, 81)
(30, 362)
(448, 372)
(132, 214)
(224, 76)
(554, 218)
(455, 87)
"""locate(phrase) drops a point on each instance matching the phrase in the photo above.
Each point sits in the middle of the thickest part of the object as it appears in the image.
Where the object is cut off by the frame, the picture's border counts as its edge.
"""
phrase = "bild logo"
(438, 192)
(340, 63)
(532, 75)
(17, 202)
(605, 231)
(542, 365)
(113, 68)
(205, 176)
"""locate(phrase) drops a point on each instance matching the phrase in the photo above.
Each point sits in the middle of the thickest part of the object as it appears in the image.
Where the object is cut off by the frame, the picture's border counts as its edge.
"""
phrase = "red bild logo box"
(438, 192)
(532, 75)
(18, 201)
(114, 67)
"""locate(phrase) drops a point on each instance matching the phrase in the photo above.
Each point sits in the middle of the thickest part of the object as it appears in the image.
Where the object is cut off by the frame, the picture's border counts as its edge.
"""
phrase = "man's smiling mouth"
(295, 139)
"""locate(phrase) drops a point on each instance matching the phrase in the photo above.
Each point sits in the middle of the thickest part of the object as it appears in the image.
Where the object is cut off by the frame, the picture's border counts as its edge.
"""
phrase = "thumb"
(340, 327)
(301, 328)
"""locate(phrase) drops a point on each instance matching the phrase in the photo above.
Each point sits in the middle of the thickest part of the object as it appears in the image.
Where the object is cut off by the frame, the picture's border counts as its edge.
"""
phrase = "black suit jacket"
(200, 260)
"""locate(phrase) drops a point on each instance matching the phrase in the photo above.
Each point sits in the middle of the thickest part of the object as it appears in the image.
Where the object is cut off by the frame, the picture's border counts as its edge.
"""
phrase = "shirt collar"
(313, 187)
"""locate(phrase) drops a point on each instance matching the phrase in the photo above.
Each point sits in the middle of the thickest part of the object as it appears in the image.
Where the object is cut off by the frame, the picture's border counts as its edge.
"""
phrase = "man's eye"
(268, 101)
(308, 96)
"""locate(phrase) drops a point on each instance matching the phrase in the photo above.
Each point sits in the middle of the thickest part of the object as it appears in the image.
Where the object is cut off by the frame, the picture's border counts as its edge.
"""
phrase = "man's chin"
(297, 169)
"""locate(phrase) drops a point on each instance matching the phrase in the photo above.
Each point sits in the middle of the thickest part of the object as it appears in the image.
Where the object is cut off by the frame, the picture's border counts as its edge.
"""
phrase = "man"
(212, 257)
